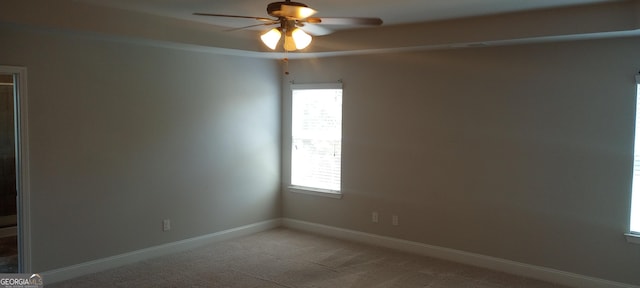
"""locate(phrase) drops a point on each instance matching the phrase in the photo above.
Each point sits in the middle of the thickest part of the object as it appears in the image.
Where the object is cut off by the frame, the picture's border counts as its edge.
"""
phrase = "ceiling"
(408, 24)
(392, 12)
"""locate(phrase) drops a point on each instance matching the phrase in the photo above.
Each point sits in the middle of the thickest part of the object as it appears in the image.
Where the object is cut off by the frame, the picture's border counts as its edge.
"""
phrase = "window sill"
(315, 192)
(633, 238)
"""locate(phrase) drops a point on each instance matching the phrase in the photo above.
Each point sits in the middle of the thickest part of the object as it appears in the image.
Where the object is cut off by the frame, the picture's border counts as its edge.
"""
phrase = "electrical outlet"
(394, 220)
(374, 217)
(166, 225)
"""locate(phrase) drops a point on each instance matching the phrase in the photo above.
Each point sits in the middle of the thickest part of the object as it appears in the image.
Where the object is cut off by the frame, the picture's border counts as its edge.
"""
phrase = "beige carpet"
(287, 258)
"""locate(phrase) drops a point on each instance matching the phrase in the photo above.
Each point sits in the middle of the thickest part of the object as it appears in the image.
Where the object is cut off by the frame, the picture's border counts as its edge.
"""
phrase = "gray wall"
(517, 152)
(123, 135)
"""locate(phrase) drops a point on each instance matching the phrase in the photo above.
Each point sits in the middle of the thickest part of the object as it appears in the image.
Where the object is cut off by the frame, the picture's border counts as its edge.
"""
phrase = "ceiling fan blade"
(235, 16)
(295, 12)
(345, 21)
(316, 30)
(255, 25)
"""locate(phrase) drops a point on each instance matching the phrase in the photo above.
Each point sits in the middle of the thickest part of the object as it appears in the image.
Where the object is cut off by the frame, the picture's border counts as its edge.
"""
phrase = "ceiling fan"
(295, 21)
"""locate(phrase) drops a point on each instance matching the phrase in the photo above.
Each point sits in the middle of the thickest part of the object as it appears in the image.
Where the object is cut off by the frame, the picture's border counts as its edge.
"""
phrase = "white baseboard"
(103, 264)
(478, 260)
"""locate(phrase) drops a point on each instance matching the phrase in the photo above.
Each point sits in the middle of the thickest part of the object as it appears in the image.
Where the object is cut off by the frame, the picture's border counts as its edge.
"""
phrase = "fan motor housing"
(274, 9)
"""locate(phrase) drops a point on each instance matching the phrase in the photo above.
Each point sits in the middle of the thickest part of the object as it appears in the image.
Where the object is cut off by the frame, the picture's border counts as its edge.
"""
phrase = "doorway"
(13, 197)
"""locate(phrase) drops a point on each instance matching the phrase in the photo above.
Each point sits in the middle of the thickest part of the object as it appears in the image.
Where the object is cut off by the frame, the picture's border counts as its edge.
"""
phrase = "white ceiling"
(392, 12)
(171, 22)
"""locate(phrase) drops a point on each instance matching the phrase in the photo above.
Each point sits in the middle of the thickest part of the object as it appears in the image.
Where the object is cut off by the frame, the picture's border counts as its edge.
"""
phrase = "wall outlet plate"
(166, 225)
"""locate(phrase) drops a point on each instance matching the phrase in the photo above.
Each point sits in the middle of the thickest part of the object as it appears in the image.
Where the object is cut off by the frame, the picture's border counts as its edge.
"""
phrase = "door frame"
(22, 166)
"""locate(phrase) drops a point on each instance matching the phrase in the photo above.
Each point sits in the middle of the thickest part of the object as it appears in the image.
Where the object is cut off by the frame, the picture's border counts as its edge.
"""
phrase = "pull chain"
(285, 60)
(286, 65)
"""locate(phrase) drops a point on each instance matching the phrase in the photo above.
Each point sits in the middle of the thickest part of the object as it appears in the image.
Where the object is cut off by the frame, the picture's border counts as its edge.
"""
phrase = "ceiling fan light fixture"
(289, 43)
(271, 38)
(300, 38)
(296, 39)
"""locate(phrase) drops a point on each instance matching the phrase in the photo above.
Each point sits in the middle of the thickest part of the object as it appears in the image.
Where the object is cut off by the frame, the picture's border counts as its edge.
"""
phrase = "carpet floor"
(287, 258)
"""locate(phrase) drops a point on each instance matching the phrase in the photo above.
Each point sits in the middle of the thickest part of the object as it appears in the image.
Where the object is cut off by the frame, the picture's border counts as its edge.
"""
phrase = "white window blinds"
(316, 129)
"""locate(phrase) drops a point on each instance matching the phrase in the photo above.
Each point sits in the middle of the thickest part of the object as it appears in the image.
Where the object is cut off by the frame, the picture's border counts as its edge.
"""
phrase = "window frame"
(633, 236)
(305, 189)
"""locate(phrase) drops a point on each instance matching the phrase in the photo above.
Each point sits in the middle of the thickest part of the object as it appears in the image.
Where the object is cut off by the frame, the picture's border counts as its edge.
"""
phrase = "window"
(635, 195)
(316, 137)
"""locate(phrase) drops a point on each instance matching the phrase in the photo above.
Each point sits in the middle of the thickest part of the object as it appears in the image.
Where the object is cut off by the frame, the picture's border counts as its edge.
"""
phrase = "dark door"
(8, 191)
